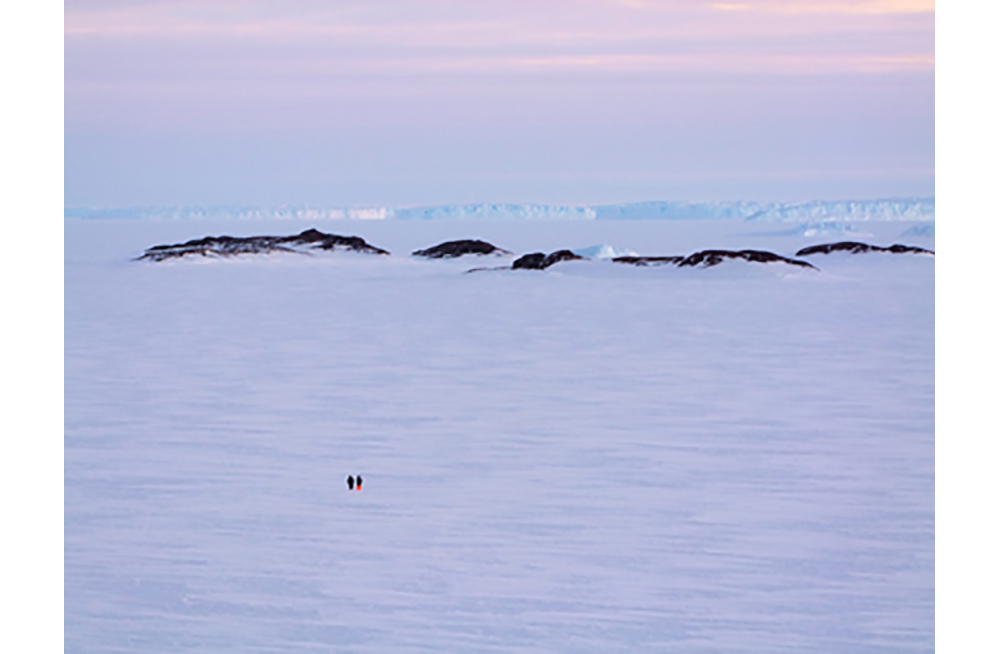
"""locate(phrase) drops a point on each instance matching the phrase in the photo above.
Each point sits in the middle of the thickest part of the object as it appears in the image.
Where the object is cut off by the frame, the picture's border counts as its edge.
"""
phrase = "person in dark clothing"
(359, 482)
(350, 483)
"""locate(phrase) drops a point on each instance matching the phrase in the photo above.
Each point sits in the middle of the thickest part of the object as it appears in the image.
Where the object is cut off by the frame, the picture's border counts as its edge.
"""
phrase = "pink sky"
(415, 102)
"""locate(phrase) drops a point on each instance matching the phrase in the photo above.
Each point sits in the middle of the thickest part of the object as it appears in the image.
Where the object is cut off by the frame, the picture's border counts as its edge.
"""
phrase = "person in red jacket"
(359, 482)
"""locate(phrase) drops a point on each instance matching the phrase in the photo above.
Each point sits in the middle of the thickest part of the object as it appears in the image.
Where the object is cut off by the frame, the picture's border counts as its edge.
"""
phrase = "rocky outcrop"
(227, 246)
(854, 247)
(541, 261)
(533, 261)
(707, 258)
(648, 261)
(453, 249)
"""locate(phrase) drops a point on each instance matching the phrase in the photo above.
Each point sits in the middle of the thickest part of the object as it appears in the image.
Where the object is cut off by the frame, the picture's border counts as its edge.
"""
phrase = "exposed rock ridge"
(856, 248)
(541, 261)
(708, 258)
(227, 246)
(453, 249)
(646, 261)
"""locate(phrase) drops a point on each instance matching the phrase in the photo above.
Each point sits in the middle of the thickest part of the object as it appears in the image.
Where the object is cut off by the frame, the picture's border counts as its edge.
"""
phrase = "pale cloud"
(288, 20)
(740, 63)
(855, 7)
(403, 89)
(511, 18)
(872, 7)
(378, 76)
(303, 37)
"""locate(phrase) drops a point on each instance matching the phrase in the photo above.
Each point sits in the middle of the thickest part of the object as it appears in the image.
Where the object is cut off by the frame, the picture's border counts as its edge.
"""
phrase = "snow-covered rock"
(227, 246)
(649, 261)
(854, 247)
(453, 249)
(541, 261)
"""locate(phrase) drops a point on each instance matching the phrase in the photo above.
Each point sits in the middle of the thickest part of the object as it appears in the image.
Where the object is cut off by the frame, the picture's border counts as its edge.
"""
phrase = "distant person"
(350, 483)
(359, 482)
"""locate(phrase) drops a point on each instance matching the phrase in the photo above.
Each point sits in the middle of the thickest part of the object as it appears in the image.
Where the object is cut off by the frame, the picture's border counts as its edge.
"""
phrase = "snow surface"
(832, 230)
(591, 458)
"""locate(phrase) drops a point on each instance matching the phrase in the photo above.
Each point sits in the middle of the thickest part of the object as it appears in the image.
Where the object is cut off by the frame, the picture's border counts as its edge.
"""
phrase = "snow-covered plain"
(591, 458)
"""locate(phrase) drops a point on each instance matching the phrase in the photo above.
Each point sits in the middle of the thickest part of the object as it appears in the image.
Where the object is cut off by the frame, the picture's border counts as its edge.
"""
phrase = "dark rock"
(226, 246)
(531, 261)
(707, 258)
(646, 261)
(541, 261)
(854, 247)
(453, 249)
(561, 255)
(844, 246)
(311, 236)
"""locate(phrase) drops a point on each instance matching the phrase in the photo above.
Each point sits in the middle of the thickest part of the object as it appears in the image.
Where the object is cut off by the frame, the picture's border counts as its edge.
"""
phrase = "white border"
(967, 144)
(31, 460)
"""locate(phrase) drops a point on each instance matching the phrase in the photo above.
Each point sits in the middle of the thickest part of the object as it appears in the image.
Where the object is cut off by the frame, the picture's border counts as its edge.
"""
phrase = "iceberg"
(604, 251)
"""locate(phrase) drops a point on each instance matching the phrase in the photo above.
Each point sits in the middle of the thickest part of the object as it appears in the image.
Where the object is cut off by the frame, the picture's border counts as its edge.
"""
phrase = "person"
(359, 482)
(350, 482)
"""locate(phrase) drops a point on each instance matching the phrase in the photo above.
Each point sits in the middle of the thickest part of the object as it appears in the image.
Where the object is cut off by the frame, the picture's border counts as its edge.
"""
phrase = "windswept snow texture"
(588, 458)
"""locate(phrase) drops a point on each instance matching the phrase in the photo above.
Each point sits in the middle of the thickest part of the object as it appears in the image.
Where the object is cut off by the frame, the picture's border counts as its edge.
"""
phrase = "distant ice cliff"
(818, 211)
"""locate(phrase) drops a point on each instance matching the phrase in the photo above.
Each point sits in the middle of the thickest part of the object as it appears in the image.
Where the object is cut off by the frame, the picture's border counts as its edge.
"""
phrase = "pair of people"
(352, 484)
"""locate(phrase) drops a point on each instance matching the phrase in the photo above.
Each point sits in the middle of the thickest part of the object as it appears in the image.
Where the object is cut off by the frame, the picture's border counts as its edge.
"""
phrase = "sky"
(419, 102)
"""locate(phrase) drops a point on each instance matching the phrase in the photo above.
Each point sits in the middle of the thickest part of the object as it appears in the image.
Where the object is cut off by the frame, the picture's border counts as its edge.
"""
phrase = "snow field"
(591, 458)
